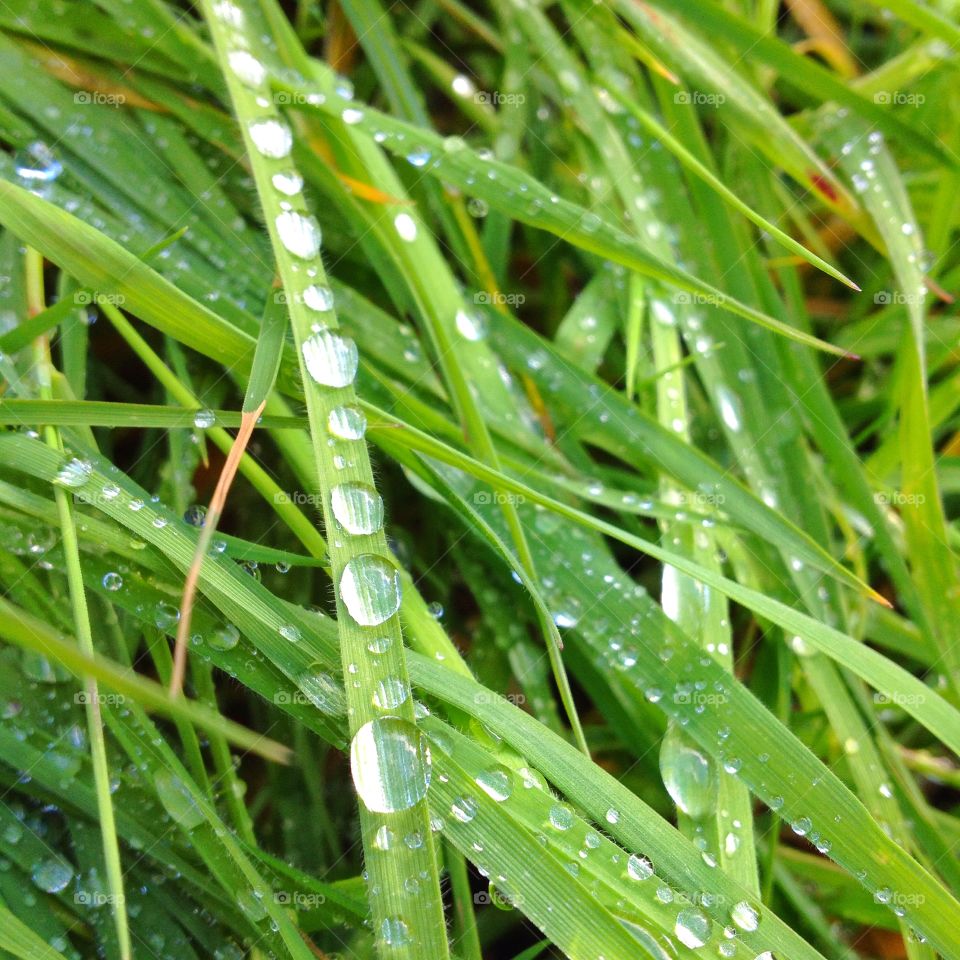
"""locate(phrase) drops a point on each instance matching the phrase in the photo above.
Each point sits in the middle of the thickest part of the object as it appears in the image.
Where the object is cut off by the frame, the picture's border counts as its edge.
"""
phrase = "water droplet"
(229, 13)
(112, 581)
(639, 868)
(394, 932)
(380, 645)
(390, 763)
(52, 875)
(692, 928)
(464, 809)
(74, 473)
(347, 423)
(745, 916)
(330, 359)
(561, 816)
(272, 138)
(351, 116)
(177, 800)
(224, 637)
(248, 69)
(323, 691)
(419, 157)
(729, 404)
(37, 164)
(166, 616)
(195, 515)
(290, 632)
(358, 507)
(288, 182)
(299, 234)
(496, 783)
(687, 774)
(370, 589)
(406, 227)
(390, 693)
(204, 419)
(472, 325)
(318, 297)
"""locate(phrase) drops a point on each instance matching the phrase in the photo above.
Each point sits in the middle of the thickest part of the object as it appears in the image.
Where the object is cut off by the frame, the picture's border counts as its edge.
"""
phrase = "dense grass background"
(587, 586)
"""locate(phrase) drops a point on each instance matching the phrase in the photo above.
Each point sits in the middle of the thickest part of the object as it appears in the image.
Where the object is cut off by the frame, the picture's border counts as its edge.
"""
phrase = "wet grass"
(587, 584)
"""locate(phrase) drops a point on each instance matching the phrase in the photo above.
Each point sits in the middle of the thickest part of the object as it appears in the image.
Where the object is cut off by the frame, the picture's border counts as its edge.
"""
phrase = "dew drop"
(639, 868)
(318, 297)
(496, 783)
(692, 928)
(745, 916)
(112, 581)
(248, 69)
(471, 326)
(464, 809)
(330, 358)
(287, 182)
(347, 423)
(37, 164)
(390, 693)
(272, 138)
(406, 227)
(370, 589)
(390, 763)
(561, 816)
(299, 234)
(224, 637)
(204, 419)
(177, 800)
(358, 507)
(52, 875)
(74, 473)
(687, 774)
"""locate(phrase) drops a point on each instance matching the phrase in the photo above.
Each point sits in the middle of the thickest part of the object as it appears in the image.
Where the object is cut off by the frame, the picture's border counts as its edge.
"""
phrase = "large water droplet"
(74, 473)
(177, 800)
(318, 297)
(288, 182)
(370, 589)
(248, 69)
(406, 227)
(37, 164)
(112, 581)
(394, 932)
(390, 763)
(745, 916)
(692, 928)
(639, 868)
(496, 783)
(299, 234)
(331, 359)
(272, 138)
(52, 875)
(358, 507)
(224, 637)
(390, 693)
(687, 774)
(347, 423)
(471, 325)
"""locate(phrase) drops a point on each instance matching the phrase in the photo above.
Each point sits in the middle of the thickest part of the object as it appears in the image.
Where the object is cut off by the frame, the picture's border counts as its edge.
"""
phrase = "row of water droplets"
(389, 757)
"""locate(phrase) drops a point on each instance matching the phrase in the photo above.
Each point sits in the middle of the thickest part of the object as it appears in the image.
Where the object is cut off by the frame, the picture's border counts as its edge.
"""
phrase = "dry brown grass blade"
(248, 422)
